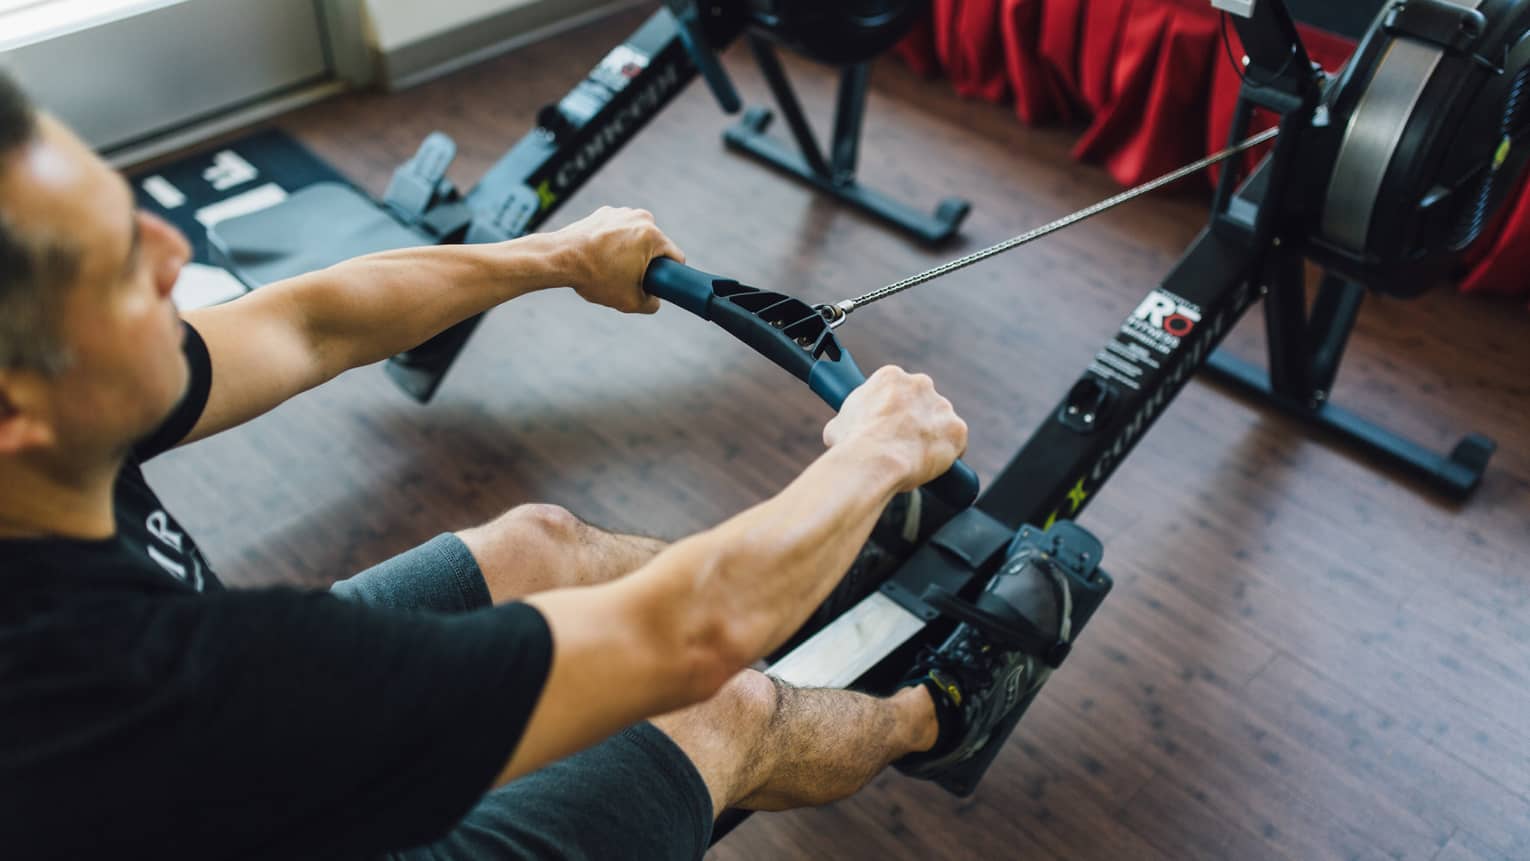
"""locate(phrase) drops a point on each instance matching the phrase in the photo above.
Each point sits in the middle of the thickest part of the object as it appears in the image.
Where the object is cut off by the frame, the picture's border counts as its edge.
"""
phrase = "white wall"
(409, 41)
(169, 64)
(395, 23)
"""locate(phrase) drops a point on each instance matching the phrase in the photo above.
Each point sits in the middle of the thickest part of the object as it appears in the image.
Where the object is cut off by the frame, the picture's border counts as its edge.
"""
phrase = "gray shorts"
(635, 795)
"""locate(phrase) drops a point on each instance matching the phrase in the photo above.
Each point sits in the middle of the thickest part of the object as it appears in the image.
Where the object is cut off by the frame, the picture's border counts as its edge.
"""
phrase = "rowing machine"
(1261, 230)
(1420, 146)
(327, 223)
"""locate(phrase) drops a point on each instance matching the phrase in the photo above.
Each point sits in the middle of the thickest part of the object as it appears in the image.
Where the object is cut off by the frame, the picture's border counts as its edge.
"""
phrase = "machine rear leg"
(1305, 353)
(833, 175)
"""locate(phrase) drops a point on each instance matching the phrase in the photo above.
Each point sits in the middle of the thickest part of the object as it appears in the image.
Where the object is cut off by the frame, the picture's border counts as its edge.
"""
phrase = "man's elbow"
(718, 652)
(705, 640)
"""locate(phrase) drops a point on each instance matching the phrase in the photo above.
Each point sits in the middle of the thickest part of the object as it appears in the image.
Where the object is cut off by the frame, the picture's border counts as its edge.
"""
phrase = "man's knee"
(526, 549)
(749, 702)
(728, 737)
(740, 712)
(527, 528)
(538, 523)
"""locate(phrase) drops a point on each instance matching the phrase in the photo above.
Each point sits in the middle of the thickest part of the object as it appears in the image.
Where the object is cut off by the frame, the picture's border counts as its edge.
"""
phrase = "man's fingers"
(669, 249)
(664, 248)
(962, 439)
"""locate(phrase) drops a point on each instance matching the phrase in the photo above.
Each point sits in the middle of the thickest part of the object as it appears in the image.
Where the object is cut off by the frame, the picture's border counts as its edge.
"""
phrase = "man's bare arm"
(670, 634)
(288, 337)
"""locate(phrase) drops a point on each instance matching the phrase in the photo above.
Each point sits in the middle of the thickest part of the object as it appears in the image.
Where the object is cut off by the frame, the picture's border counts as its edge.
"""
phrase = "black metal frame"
(833, 175)
(1305, 346)
(1304, 354)
(1250, 249)
(572, 142)
(530, 181)
(1135, 376)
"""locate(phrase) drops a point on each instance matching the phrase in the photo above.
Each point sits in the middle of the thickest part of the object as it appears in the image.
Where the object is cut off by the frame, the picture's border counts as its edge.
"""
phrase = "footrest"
(1067, 552)
(507, 217)
(419, 183)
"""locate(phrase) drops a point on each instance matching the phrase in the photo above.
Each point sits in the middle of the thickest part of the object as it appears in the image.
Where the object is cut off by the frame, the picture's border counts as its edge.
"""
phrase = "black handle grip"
(790, 333)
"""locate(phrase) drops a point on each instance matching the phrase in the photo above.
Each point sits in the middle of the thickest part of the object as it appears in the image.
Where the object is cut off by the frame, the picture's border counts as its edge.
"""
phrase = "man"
(530, 687)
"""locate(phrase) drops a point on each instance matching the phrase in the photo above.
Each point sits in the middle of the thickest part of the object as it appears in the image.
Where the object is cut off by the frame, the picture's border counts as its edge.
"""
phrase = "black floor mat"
(261, 167)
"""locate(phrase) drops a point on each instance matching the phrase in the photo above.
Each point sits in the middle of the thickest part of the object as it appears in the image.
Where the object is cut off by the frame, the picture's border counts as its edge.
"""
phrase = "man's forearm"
(768, 568)
(713, 603)
(364, 310)
(290, 336)
(670, 634)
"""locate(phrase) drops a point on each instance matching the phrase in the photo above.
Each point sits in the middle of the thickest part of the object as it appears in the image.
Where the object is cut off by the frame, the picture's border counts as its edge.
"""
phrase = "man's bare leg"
(762, 744)
(535, 548)
(759, 743)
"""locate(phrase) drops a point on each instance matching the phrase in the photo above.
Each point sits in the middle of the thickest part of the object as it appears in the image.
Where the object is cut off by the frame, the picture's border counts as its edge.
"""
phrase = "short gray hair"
(33, 271)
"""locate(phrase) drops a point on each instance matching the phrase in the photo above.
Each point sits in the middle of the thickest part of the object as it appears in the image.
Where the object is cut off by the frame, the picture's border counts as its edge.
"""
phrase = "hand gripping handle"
(790, 333)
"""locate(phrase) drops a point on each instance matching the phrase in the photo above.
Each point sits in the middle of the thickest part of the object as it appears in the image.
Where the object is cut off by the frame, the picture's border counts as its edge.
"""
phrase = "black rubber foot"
(952, 211)
(1473, 452)
(757, 119)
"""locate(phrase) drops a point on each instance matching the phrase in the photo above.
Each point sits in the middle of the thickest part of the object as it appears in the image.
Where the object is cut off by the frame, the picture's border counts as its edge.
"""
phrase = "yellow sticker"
(1077, 495)
(1503, 152)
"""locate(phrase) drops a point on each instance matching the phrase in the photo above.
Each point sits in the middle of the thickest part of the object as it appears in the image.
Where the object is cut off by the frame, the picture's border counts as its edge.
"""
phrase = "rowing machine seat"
(317, 226)
(842, 33)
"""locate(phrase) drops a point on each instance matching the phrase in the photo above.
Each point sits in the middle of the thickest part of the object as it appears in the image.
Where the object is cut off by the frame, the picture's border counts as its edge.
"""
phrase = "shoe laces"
(966, 656)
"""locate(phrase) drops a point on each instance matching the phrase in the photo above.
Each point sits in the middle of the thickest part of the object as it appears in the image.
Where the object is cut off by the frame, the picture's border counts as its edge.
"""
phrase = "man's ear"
(23, 427)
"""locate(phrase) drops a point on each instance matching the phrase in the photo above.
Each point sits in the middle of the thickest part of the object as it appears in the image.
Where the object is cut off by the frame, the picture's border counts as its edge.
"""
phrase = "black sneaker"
(981, 688)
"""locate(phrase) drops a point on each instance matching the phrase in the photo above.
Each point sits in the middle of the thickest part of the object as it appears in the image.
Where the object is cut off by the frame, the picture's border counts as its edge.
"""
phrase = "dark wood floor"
(1304, 657)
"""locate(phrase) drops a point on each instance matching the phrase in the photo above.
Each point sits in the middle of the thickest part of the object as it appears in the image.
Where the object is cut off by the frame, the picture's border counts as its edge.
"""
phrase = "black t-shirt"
(146, 711)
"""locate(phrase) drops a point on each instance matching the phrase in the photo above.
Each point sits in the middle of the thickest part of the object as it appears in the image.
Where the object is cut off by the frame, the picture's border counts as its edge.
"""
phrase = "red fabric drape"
(1151, 78)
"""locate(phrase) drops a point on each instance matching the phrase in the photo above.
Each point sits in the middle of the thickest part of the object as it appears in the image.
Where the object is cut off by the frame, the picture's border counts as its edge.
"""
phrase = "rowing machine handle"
(790, 333)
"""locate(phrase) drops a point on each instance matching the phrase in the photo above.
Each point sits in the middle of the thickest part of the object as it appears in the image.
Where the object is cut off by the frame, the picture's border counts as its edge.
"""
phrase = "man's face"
(118, 323)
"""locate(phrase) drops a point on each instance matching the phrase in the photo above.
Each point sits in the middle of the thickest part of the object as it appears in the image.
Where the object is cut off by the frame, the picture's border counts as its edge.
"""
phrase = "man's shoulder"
(61, 572)
(60, 576)
(151, 535)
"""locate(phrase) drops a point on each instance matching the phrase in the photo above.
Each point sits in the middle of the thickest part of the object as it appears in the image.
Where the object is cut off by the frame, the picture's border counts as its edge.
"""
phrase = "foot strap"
(1000, 624)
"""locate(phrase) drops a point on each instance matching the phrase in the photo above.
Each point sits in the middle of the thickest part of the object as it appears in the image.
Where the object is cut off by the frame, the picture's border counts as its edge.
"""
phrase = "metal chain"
(837, 312)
